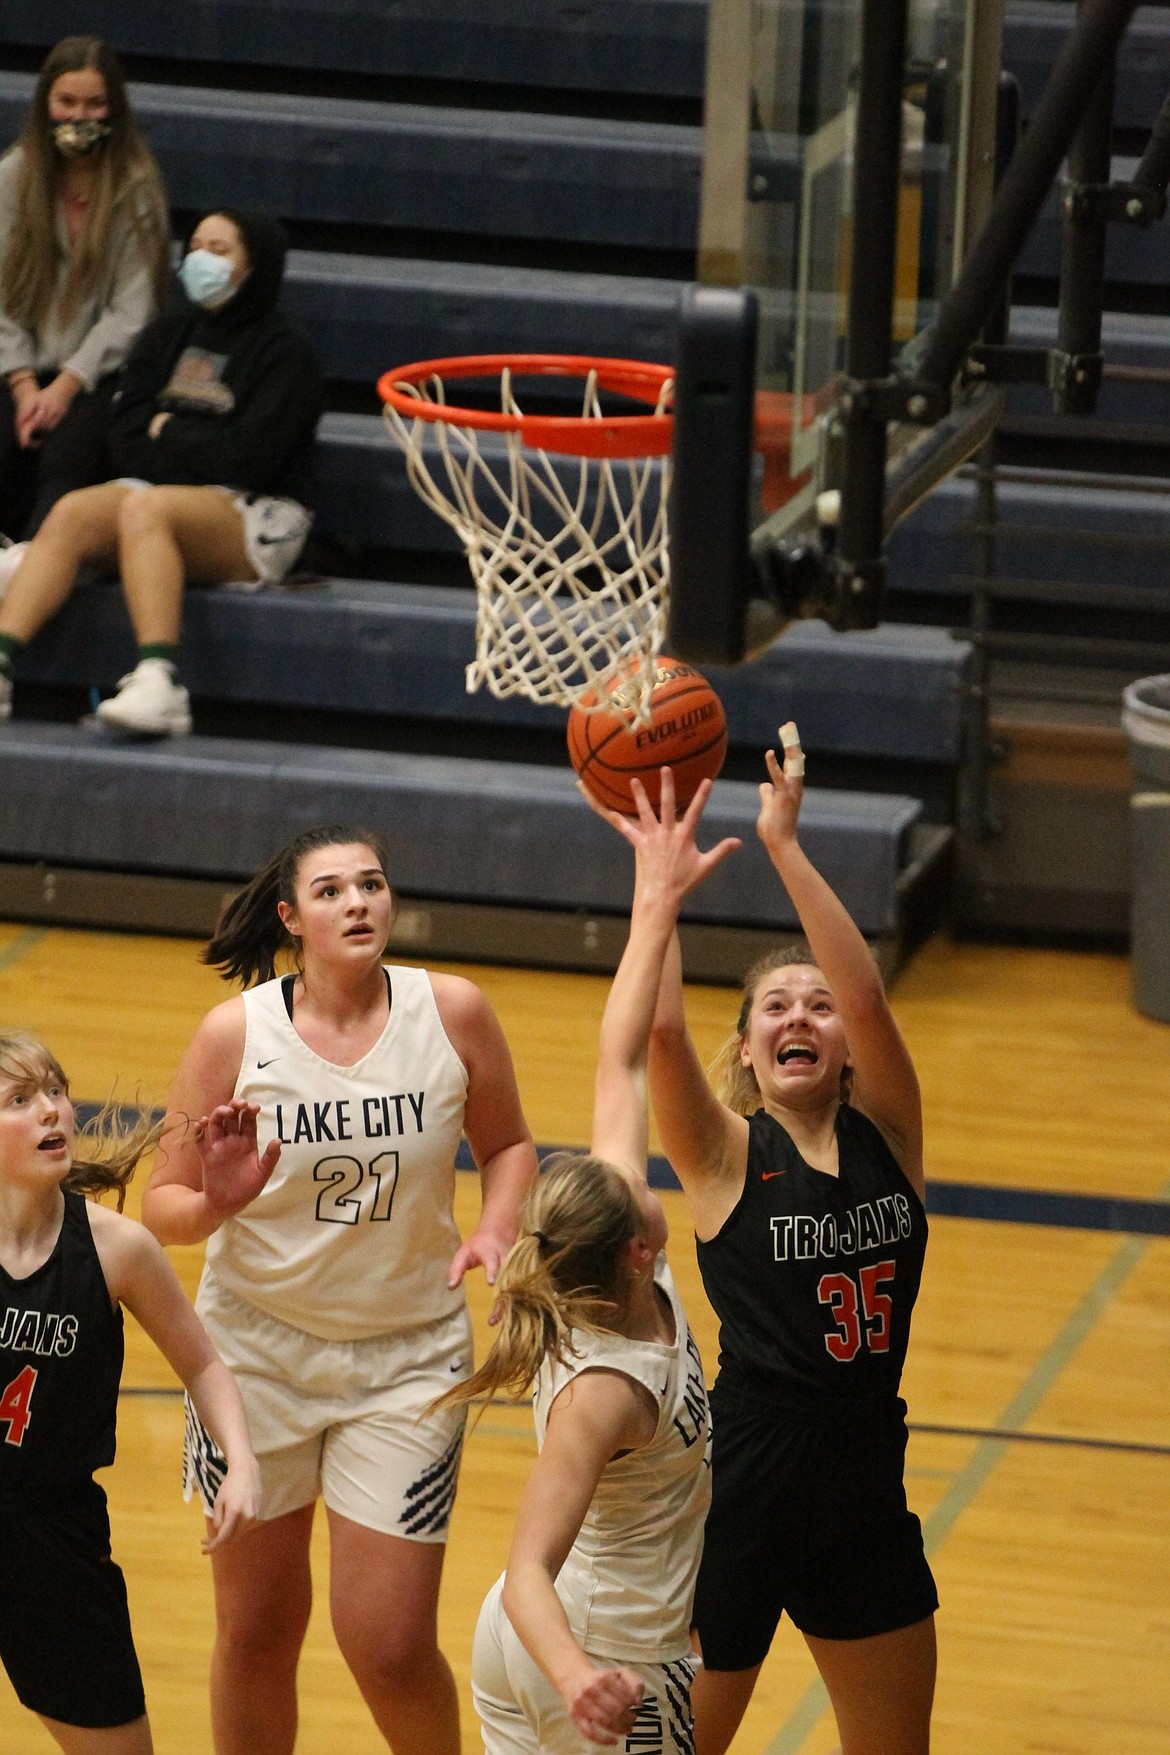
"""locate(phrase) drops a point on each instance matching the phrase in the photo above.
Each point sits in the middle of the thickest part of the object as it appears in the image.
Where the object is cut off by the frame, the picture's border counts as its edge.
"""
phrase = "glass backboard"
(776, 209)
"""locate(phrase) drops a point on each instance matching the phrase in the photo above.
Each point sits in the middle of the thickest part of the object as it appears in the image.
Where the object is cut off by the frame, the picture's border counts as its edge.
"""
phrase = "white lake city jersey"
(354, 1232)
(629, 1579)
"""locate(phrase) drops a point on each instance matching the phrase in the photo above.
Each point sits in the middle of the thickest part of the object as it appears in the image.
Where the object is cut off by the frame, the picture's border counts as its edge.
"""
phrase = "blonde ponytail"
(565, 1271)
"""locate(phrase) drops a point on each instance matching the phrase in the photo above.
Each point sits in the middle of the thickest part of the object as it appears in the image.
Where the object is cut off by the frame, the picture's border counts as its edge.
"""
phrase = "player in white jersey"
(586, 1638)
(323, 1112)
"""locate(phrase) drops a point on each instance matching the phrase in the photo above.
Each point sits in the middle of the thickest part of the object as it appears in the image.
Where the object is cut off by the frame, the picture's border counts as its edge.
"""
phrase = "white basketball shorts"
(521, 1713)
(347, 1420)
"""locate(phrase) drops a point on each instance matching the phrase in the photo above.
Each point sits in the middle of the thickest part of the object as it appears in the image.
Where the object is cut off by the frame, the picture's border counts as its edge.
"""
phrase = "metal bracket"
(894, 398)
(1009, 363)
(1112, 204)
(771, 177)
(1075, 378)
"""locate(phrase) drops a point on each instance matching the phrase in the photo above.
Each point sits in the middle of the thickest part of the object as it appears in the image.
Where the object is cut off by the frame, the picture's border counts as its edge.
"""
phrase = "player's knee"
(246, 1638)
(68, 521)
(142, 510)
(391, 1657)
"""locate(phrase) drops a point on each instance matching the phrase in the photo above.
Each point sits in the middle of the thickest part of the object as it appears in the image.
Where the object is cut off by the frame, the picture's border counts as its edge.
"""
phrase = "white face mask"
(207, 279)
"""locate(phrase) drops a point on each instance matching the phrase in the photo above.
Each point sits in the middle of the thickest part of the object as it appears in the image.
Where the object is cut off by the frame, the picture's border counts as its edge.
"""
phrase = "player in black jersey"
(806, 1187)
(66, 1265)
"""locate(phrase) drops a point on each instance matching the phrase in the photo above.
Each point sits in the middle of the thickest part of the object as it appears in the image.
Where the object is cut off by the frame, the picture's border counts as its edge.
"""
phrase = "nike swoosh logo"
(261, 1064)
(767, 1175)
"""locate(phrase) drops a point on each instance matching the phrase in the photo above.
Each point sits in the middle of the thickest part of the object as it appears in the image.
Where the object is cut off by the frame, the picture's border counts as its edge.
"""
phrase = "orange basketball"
(687, 733)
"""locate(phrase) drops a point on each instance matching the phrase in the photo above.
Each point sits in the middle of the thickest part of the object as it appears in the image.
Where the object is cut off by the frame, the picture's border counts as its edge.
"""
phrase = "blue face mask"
(206, 278)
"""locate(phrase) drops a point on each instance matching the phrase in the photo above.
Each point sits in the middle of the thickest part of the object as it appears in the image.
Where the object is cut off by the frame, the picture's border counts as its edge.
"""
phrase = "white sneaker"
(5, 695)
(11, 555)
(149, 700)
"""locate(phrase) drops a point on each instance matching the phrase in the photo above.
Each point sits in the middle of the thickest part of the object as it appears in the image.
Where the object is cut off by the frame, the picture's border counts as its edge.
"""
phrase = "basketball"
(687, 733)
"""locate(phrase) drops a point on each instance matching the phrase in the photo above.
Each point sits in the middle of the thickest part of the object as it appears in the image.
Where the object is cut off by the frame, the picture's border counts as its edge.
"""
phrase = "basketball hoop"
(562, 517)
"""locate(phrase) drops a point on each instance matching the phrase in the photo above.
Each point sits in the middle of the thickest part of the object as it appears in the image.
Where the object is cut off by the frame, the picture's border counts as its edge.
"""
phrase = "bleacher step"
(460, 830)
(401, 649)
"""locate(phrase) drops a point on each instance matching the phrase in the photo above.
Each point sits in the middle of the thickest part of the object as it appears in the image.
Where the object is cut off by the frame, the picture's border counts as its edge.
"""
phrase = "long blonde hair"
(735, 1084)
(564, 1272)
(128, 184)
(109, 1148)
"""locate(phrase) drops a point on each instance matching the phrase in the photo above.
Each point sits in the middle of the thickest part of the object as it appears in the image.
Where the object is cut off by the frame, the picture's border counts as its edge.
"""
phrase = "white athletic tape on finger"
(793, 754)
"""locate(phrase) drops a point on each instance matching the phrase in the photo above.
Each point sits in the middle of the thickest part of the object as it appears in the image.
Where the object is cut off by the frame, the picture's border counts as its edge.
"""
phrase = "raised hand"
(781, 793)
(604, 1706)
(664, 845)
(233, 1170)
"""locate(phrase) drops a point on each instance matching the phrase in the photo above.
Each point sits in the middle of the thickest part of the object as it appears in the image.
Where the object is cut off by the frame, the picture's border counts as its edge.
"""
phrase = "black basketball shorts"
(64, 1623)
(809, 1518)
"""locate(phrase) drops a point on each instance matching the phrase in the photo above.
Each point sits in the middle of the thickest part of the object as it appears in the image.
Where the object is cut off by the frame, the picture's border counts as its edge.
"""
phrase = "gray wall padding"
(402, 649)
(492, 832)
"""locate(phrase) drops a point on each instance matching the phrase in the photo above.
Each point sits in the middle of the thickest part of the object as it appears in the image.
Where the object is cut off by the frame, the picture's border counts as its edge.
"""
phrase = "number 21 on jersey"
(352, 1185)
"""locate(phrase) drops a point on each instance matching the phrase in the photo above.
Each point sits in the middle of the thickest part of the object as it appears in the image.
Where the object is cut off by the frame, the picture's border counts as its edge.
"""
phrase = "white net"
(568, 554)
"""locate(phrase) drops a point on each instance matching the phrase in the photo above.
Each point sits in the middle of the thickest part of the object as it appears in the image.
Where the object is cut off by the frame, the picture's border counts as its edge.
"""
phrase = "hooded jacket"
(241, 385)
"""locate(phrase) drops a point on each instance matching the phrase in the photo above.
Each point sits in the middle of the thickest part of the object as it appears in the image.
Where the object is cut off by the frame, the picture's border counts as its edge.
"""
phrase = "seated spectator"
(84, 265)
(211, 433)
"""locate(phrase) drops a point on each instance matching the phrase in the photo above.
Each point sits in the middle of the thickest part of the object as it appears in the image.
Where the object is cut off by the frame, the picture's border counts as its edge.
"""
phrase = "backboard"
(776, 217)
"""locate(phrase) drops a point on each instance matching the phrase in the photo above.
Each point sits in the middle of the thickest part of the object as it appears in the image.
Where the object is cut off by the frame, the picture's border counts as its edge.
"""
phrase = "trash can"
(1145, 719)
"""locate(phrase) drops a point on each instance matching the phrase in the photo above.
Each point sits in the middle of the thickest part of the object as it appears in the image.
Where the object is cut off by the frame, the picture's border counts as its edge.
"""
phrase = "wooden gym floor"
(1038, 1380)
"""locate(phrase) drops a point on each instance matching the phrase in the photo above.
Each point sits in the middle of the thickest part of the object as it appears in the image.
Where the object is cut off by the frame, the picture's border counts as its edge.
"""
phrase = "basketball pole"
(1091, 44)
(921, 389)
(877, 164)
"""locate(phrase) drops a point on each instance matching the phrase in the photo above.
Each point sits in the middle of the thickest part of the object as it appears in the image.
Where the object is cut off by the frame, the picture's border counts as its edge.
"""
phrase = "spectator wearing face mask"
(210, 436)
(84, 265)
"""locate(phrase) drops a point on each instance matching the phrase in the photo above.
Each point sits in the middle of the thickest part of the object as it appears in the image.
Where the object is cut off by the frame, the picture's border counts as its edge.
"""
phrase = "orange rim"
(619, 435)
(622, 435)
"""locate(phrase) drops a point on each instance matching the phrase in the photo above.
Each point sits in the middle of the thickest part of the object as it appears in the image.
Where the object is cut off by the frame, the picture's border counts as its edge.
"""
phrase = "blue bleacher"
(639, 46)
(366, 313)
(1101, 544)
(218, 807)
(526, 184)
(654, 47)
(485, 172)
(369, 647)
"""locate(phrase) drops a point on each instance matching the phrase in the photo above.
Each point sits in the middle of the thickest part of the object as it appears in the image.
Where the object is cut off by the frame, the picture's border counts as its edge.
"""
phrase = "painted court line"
(1073, 1440)
(21, 945)
(979, 1200)
(987, 1454)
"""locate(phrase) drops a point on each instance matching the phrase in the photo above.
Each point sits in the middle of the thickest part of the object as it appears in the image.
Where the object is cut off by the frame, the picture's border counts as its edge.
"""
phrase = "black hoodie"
(241, 385)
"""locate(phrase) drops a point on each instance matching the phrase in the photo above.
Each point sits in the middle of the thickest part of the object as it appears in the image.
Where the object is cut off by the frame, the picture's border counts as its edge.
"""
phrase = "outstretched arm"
(493, 1121)
(139, 1275)
(885, 1085)
(668, 867)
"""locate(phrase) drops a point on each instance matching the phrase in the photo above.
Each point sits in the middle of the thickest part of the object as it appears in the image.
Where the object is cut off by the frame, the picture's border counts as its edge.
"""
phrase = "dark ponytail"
(249, 933)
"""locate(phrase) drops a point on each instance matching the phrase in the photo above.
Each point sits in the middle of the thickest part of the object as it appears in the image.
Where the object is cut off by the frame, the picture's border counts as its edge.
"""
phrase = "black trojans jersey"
(61, 1350)
(814, 1277)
